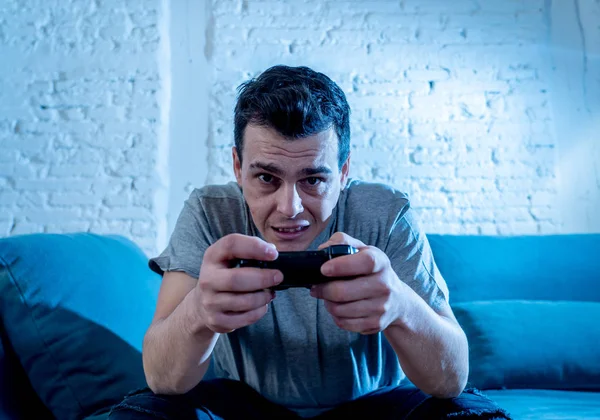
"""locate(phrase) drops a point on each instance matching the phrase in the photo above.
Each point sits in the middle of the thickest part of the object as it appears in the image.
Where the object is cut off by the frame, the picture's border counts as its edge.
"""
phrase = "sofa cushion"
(532, 344)
(75, 309)
(543, 267)
(18, 400)
(536, 404)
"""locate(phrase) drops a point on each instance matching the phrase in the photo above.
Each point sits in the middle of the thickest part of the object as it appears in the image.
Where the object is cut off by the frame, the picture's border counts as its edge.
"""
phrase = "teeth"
(291, 230)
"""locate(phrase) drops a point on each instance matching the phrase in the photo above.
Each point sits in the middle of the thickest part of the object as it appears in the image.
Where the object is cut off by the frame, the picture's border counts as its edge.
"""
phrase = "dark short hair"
(297, 102)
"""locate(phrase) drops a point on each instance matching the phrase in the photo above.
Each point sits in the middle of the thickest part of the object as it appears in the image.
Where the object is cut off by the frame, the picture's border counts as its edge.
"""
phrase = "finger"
(232, 303)
(236, 246)
(238, 303)
(343, 291)
(247, 279)
(341, 238)
(367, 261)
(358, 309)
(368, 325)
(225, 323)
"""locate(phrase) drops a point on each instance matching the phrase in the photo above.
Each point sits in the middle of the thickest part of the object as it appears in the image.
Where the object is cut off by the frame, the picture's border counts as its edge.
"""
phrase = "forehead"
(265, 143)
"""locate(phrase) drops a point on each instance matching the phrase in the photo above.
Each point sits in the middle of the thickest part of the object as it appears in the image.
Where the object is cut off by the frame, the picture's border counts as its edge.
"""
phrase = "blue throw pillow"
(532, 344)
(75, 309)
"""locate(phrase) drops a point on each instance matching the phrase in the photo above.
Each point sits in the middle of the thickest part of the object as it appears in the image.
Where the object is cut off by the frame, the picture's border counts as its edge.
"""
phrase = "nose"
(289, 202)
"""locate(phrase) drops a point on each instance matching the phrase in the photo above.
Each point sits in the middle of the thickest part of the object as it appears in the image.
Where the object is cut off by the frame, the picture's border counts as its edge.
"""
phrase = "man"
(385, 342)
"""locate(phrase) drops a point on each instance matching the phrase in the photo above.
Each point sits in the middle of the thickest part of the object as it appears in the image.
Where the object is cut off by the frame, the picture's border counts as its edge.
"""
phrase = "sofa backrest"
(529, 306)
(548, 267)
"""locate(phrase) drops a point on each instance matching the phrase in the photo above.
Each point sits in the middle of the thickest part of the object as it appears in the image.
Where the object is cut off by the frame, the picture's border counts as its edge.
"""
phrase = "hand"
(232, 298)
(372, 300)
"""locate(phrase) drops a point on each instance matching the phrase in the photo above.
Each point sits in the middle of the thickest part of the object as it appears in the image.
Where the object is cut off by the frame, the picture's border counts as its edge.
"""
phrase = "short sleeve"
(190, 239)
(412, 259)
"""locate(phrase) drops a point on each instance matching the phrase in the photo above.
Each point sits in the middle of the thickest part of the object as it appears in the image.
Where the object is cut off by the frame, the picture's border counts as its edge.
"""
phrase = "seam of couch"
(38, 331)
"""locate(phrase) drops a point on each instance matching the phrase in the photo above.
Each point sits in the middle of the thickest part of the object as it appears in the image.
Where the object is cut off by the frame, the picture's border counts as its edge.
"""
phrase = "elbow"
(447, 393)
(453, 386)
(161, 388)
(169, 382)
(168, 386)
(160, 381)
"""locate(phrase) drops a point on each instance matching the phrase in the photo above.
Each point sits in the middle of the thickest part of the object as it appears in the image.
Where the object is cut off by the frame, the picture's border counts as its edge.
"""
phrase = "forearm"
(176, 350)
(432, 350)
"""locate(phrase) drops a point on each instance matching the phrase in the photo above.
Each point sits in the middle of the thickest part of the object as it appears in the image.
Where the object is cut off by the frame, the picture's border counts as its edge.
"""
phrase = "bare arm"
(177, 346)
(190, 314)
(431, 347)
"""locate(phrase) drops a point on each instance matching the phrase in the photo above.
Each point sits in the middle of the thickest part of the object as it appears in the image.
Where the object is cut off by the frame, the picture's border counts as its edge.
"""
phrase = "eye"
(313, 181)
(266, 178)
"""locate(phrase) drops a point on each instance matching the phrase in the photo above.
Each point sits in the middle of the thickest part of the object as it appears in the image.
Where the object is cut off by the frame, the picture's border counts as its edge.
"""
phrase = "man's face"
(291, 186)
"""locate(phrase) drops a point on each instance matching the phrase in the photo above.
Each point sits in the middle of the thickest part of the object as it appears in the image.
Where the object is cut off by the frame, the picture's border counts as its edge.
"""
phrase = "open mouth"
(291, 230)
(288, 234)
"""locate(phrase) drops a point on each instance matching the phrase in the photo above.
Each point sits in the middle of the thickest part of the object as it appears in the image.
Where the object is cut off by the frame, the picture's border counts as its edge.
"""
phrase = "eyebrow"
(269, 167)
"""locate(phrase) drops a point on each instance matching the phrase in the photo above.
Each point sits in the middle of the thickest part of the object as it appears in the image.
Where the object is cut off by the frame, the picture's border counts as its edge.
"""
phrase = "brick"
(6, 226)
(543, 199)
(517, 228)
(487, 229)
(117, 200)
(269, 8)
(68, 227)
(133, 213)
(21, 227)
(478, 171)
(426, 75)
(110, 185)
(431, 200)
(52, 215)
(84, 171)
(278, 36)
(423, 7)
(426, 171)
(16, 170)
(50, 185)
(8, 198)
(545, 213)
(362, 7)
(119, 227)
(466, 185)
(549, 228)
(29, 199)
(516, 214)
(73, 199)
(141, 229)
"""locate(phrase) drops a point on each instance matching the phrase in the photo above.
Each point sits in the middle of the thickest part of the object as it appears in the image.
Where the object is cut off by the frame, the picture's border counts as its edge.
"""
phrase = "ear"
(237, 166)
(345, 172)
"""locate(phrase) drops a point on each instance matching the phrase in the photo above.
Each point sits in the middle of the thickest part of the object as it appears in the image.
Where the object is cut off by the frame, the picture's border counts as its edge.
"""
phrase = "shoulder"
(229, 191)
(221, 207)
(215, 197)
(374, 198)
(371, 211)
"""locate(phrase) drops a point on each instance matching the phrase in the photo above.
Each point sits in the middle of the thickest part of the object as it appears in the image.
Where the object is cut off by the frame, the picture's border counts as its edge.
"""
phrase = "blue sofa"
(74, 309)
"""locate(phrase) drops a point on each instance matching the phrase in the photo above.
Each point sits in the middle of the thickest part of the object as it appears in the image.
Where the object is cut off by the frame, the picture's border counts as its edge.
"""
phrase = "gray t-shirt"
(295, 355)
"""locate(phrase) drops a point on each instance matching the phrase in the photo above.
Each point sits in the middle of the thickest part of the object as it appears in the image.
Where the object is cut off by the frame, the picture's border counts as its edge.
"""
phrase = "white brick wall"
(79, 117)
(485, 111)
(450, 100)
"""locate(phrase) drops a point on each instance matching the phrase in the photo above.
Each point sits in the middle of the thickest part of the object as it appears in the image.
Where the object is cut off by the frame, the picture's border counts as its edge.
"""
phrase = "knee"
(144, 404)
(470, 404)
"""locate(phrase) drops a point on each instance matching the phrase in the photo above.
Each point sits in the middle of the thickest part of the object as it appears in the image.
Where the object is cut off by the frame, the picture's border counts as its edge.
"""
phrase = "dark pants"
(228, 399)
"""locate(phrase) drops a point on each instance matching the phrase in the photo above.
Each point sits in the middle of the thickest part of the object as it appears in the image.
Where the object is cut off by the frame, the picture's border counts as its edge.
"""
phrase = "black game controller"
(301, 268)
